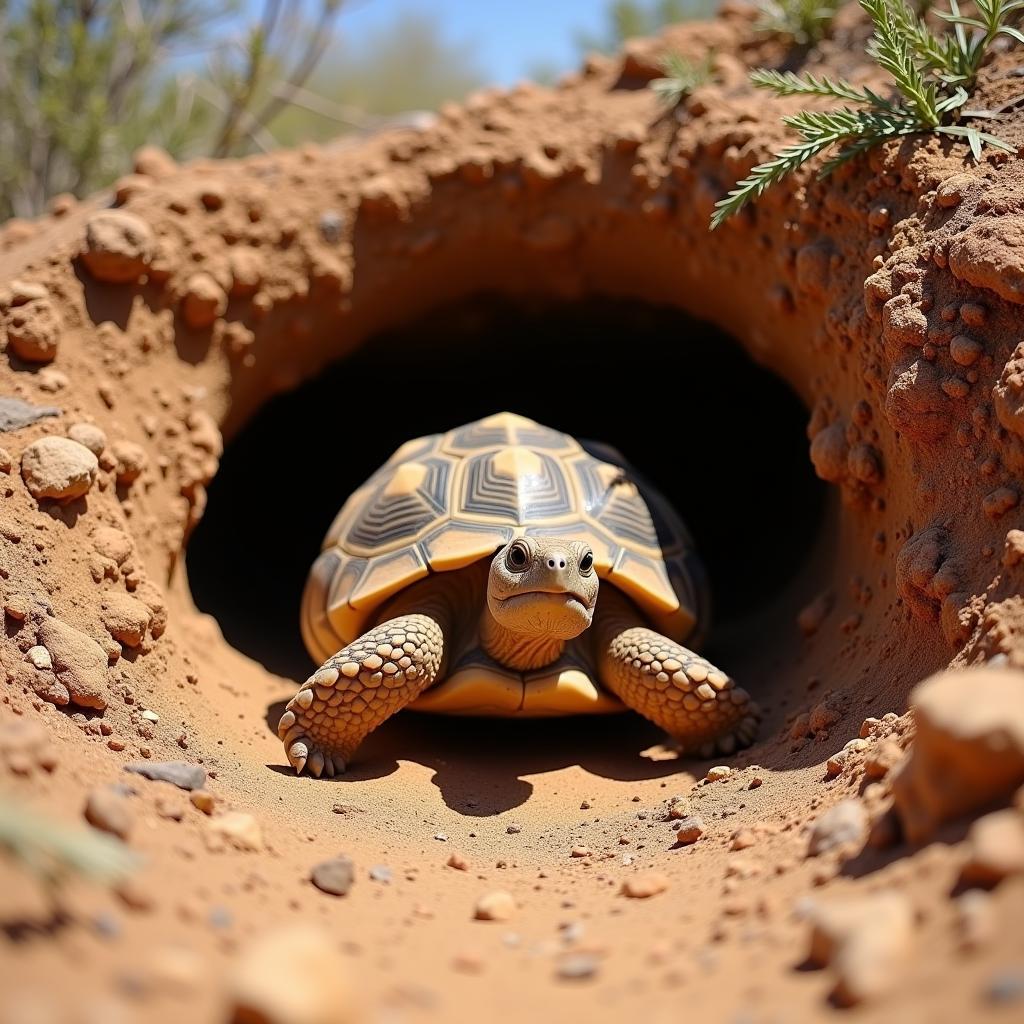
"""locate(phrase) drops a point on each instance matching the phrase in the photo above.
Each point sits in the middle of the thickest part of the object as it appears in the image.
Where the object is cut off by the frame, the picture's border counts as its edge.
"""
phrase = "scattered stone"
(995, 849)
(882, 759)
(843, 826)
(975, 919)
(346, 809)
(514, 830)
(690, 829)
(203, 301)
(15, 413)
(89, 435)
(178, 773)
(721, 771)
(118, 247)
(203, 800)
(113, 544)
(578, 966)
(644, 885)
(742, 839)
(125, 618)
(579, 851)
(865, 940)
(79, 663)
(108, 811)
(236, 829)
(39, 658)
(1006, 987)
(381, 873)
(57, 467)
(334, 876)
(33, 331)
(968, 750)
(457, 861)
(130, 460)
(495, 906)
(466, 962)
(292, 975)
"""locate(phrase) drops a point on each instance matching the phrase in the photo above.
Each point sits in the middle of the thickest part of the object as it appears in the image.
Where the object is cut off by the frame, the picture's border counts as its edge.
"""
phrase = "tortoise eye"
(587, 563)
(517, 558)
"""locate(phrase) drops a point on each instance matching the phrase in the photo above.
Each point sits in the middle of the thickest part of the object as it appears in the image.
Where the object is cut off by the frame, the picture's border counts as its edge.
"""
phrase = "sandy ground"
(889, 299)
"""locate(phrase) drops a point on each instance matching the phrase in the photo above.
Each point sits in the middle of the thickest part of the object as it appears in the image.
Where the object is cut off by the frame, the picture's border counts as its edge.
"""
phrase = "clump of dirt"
(143, 327)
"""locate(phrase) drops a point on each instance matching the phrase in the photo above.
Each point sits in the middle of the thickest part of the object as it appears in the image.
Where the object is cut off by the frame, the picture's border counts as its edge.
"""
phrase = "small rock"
(130, 460)
(39, 658)
(118, 247)
(975, 919)
(57, 467)
(334, 876)
(579, 851)
(126, 618)
(457, 861)
(381, 873)
(720, 771)
(79, 663)
(292, 975)
(203, 800)
(865, 941)
(178, 773)
(108, 811)
(690, 829)
(1006, 987)
(203, 301)
(34, 331)
(495, 906)
(578, 966)
(113, 544)
(89, 435)
(514, 830)
(883, 758)
(845, 825)
(150, 716)
(644, 885)
(995, 845)
(968, 750)
(236, 829)
(742, 839)
(15, 414)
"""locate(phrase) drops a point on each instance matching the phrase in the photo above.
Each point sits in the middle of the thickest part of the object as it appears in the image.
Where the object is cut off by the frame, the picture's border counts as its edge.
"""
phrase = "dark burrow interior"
(723, 438)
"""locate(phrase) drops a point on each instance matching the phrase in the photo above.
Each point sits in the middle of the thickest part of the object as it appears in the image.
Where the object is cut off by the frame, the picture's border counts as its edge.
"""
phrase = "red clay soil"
(157, 320)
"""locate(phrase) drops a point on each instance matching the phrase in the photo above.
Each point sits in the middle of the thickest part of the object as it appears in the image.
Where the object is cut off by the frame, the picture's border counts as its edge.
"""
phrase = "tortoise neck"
(519, 651)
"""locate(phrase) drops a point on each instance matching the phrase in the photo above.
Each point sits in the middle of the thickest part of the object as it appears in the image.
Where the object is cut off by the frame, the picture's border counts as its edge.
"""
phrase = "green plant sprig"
(682, 76)
(932, 76)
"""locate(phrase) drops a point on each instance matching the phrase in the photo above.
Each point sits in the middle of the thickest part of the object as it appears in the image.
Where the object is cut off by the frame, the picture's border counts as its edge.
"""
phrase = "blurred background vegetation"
(83, 83)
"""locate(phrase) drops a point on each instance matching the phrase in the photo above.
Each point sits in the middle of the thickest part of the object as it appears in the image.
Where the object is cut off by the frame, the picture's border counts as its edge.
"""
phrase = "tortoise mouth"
(539, 595)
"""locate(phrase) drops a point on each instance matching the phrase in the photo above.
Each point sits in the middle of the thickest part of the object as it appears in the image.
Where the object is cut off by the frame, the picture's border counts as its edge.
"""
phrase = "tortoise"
(463, 578)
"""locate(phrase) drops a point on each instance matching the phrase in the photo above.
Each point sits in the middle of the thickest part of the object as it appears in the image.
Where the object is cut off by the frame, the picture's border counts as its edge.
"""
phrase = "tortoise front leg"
(691, 699)
(361, 686)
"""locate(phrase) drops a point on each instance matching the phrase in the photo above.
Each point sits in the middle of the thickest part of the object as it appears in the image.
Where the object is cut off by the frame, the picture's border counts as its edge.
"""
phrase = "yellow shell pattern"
(445, 501)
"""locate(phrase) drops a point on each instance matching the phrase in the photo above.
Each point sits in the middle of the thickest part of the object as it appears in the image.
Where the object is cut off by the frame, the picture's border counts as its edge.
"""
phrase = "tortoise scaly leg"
(358, 688)
(678, 690)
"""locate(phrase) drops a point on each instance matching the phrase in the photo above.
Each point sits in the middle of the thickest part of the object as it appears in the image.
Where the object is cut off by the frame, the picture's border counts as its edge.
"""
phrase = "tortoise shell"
(445, 501)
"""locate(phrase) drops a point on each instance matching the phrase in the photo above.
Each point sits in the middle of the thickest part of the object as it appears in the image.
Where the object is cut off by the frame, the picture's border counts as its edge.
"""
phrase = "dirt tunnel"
(666, 389)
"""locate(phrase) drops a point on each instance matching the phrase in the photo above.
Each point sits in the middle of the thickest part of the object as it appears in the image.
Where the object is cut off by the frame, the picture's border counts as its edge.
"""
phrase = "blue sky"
(510, 37)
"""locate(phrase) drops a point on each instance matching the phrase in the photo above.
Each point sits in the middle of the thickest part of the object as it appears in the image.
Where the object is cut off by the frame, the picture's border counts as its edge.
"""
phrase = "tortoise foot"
(305, 729)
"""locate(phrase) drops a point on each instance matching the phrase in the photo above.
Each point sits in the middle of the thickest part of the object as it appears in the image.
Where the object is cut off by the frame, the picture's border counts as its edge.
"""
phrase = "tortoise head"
(543, 587)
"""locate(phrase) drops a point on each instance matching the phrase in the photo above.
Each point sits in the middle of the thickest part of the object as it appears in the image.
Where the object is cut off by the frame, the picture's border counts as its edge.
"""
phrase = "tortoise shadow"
(480, 765)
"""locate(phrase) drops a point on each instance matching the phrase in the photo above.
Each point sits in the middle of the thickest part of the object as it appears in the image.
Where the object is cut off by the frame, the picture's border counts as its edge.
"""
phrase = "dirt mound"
(889, 298)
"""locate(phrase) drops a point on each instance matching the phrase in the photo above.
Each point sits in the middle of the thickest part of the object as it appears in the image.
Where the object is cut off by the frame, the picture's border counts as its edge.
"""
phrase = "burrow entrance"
(723, 438)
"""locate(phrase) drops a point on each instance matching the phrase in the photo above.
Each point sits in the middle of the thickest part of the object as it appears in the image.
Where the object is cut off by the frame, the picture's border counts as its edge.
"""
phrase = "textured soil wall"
(890, 299)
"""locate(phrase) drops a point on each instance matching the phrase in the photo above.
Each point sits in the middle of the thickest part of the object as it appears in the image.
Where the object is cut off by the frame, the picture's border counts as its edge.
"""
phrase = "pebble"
(1006, 986)
(237, 829)
(125, 618)
(689, 830)
(118, 246)
(381, 873)
(742, 839)
(578, 966)
(644, 885)
(39, 658)
(79, 663)
(294, 974)
(203, 301)
(59, 468)
(130, 461)
(90, 436)
(719, 772)
(865, 940)
(495, 906)
(514, 830)
(178, 773)
(579, 851)
(845, 825)
(975, 919)
(995, 848)
(457, 861)
(882, 759)
(109, 811)
(334, 876)
(203, 800)
(968, 750)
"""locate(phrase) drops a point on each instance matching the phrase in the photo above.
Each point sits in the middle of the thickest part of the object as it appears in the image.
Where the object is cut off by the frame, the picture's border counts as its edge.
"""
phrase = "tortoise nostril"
(554, 563)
